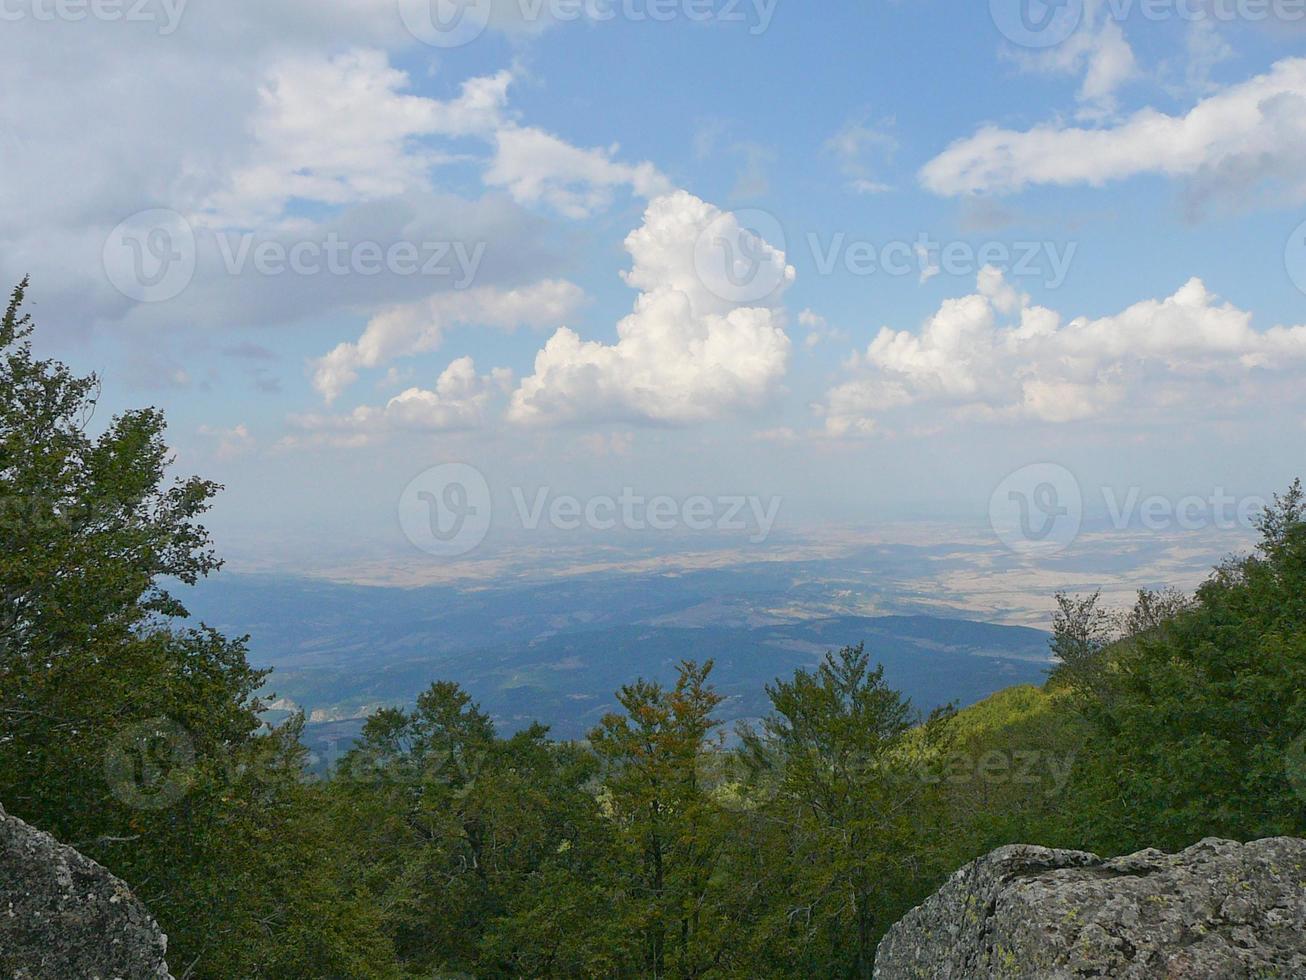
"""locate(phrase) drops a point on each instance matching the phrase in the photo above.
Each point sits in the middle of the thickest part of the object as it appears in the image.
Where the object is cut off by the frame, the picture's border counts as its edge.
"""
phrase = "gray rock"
(1219, 910)
(62, 916)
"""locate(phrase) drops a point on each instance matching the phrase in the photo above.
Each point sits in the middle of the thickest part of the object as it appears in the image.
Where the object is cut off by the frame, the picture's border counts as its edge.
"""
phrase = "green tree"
(479, 850)
(88, 531)
(124, 733)
(1082, 631)
(671, 833)
(846, 786)
(1200, 724)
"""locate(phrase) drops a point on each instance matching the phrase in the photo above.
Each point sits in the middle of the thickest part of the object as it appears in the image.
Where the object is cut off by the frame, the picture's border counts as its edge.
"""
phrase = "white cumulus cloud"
(687, 353)
(459, 402)
(994, 354)
(416, 328)
(342, 129)
(338, 130)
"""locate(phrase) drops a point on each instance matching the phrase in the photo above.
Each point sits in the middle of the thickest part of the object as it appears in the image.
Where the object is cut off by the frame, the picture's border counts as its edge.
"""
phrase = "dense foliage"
(127, 735)
(659, 847)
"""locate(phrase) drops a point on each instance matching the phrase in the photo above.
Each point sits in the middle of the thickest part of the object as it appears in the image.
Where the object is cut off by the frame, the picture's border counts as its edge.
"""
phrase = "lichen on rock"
(64, 916)
(1219, 910)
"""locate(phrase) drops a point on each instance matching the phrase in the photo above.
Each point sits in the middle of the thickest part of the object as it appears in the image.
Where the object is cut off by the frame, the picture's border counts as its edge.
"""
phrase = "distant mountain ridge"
(557, 653)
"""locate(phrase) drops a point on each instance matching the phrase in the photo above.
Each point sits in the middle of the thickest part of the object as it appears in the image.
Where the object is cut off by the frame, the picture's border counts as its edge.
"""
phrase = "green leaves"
(483, 853)
(213, 826)
(1195, 715)
(670, 832)
(851, 806)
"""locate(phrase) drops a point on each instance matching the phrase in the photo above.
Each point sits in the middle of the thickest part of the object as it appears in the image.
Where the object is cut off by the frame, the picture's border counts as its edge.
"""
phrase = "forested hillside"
(441, 847)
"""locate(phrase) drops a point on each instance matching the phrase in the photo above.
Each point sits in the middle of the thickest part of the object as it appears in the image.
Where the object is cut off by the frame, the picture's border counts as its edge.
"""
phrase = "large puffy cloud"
(343, 129)
(995, 355)
(1232, 142)
(416, 328)
(692, 350)
(340, 130)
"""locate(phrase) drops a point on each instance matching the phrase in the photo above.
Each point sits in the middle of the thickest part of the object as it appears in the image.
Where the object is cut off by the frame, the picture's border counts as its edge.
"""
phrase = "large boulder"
(1219, 910)
(63, 916)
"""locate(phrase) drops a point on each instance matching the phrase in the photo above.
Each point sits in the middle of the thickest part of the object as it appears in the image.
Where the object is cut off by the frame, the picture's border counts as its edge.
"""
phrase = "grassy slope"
(1011, 770)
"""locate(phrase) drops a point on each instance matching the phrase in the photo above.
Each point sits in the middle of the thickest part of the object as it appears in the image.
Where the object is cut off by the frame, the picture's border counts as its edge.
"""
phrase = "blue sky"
(1101, 175)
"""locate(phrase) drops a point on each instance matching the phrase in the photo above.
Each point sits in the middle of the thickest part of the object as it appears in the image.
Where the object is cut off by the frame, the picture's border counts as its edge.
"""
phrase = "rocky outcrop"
(1219, 910)
(64, 916)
